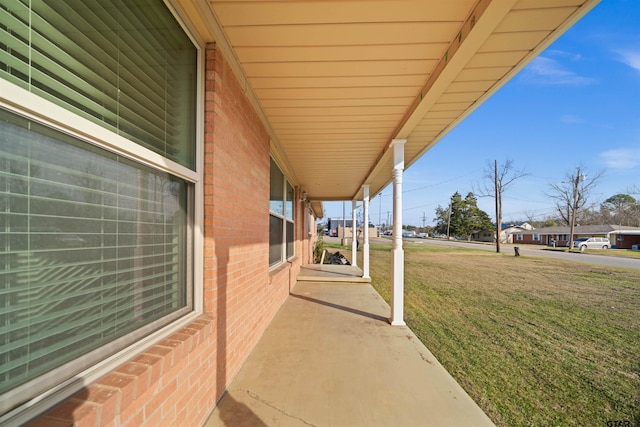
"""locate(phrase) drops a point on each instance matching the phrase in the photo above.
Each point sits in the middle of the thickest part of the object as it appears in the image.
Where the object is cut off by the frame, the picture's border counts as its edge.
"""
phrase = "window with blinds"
(281, 243)
(95, 248)
(92, 247)
(125, 64)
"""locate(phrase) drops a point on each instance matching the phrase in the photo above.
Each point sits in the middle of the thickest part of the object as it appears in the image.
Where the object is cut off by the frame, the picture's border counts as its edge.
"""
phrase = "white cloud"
(630, 58)
(544, 70)
(623, 158)
(571, 119)
(564, 54)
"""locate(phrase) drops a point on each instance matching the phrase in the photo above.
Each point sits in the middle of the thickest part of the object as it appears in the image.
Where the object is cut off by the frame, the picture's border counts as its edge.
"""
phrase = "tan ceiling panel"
(235, 13)
(424, 135)
(506, 42)
(451, 106)
(439, 114)
(535, 19)
(334, 81)
(337, 82)
(303, 103)
(546, 4)
(475, 86)
(343, 111)
(414, 51)
(330, 135)
(460, 96)
(428, 122)
(337, 69)
(389, 33)
(337, 119)
(322, 126)
(487, 73)
(497, 59)
(337, 93)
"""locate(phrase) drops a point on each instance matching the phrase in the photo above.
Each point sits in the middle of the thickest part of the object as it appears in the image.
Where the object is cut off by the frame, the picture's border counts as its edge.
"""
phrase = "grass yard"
(534, 341)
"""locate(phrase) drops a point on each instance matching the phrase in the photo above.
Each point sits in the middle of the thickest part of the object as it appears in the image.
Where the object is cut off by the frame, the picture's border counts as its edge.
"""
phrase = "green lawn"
(534, 341)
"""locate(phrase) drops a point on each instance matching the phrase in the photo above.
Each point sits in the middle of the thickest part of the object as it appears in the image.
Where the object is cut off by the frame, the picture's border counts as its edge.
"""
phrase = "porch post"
(354, 235)
(397, 266)
(365, 245)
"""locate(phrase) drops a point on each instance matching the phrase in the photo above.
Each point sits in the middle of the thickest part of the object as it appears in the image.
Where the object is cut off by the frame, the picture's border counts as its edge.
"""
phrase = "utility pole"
(574, 207)
(424, 218)
(388, 219)
(498, 207)
(380, 211)
(344, 225)
(449, 222)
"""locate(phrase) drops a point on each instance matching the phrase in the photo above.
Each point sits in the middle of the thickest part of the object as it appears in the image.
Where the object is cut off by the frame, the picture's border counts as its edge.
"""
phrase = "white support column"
(365, 244)
(397, 266)
(354, 234)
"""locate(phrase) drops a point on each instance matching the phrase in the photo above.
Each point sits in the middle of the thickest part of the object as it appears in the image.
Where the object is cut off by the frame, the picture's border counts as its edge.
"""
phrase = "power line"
(435, 184)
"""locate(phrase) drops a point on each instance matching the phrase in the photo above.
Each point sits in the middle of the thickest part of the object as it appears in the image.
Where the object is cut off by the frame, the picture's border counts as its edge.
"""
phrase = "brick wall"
(179, 380)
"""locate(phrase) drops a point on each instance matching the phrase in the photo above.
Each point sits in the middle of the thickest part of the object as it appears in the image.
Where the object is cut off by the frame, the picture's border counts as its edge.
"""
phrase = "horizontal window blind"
(92, 247)
(125, 64)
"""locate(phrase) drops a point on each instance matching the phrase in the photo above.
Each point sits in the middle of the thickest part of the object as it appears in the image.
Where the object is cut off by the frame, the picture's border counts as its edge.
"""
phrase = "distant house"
(621, 237)
(507, 230)
(484, 236)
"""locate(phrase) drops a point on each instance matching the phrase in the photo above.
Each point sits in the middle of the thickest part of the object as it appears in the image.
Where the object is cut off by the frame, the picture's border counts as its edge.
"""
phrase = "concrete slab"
(331, 273)
(330, 358)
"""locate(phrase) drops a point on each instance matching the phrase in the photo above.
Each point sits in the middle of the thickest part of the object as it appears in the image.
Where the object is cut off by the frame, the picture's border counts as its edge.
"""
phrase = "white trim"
(365, 228)
(20, 101)
(397, 267)
(198, 214)
(354, 234)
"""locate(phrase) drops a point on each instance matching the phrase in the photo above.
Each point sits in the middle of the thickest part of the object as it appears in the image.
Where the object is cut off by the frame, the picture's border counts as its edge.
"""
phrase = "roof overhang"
(335, 81)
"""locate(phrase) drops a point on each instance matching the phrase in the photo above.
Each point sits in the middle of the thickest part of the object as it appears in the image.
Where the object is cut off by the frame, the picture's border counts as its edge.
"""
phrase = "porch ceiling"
(336, 80)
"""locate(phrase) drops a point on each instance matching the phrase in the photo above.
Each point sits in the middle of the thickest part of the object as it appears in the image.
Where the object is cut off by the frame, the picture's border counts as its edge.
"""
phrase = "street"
(590, 257)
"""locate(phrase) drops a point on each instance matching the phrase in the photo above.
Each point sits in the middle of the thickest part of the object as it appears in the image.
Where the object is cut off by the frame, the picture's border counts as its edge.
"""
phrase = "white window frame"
(20, 101)
(283, 252)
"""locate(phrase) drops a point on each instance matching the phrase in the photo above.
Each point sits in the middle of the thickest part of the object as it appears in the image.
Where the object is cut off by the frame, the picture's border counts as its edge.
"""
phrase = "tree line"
(573, 206)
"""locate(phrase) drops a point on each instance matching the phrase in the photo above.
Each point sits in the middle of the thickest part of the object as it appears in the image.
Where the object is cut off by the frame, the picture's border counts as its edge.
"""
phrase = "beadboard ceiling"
(335, 81)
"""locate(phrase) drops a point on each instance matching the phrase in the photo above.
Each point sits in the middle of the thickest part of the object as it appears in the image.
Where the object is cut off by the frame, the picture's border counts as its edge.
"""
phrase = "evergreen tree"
(462, 217)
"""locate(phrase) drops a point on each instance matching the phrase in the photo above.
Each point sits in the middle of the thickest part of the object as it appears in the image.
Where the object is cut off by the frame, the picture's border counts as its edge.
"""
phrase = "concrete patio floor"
(330, 358)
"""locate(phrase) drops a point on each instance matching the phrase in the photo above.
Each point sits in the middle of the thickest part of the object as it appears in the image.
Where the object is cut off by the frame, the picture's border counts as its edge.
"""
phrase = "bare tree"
(498, 179)
(572, 195)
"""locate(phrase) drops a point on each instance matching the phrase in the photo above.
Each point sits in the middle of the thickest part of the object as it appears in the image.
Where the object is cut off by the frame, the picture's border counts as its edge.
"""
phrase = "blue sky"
(577, 104)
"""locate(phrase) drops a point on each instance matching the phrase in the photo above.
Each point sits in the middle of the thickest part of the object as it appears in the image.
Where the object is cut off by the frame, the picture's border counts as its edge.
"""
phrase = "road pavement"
(588, 257)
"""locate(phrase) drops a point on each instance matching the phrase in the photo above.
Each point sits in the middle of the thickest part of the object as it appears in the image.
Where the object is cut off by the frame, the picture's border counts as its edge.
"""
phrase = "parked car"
(591, 243)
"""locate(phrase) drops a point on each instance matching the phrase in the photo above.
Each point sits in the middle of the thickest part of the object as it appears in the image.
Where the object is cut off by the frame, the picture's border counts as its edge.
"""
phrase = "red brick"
(76, 412)
(107, 400)
(48, 422)
(126, 384)
(153, 362)
(165, 353)
(140, 373)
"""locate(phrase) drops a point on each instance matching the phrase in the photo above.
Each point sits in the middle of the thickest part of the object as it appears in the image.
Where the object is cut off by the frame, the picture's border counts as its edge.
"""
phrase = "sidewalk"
(330, 358)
